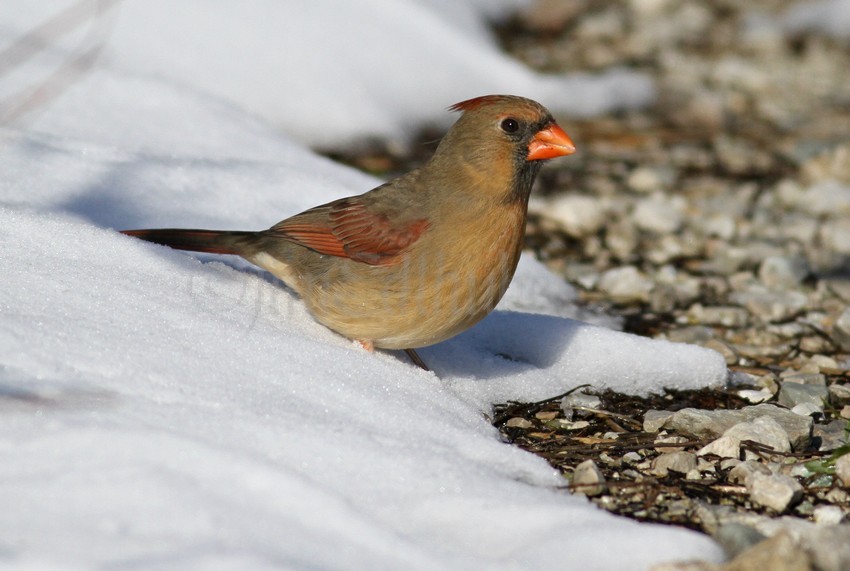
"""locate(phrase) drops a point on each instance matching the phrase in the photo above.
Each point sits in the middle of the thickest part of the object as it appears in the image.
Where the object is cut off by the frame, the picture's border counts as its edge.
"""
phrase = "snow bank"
(162, 411)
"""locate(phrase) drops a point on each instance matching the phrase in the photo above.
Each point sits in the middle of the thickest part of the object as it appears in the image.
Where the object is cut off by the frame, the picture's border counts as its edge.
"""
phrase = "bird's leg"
(368, 345)
(417, 360)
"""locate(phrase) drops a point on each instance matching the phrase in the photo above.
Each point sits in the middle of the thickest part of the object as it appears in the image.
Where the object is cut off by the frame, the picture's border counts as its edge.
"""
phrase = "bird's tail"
(209, 241)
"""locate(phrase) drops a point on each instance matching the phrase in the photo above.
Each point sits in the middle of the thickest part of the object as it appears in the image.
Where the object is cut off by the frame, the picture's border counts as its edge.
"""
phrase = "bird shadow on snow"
(504, 343)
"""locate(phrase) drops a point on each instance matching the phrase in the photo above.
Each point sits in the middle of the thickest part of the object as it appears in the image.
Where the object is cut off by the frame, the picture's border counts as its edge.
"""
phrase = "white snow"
(163, 411)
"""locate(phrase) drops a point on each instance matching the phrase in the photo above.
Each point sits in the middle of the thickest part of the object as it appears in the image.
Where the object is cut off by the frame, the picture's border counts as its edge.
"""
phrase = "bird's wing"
(348, 228)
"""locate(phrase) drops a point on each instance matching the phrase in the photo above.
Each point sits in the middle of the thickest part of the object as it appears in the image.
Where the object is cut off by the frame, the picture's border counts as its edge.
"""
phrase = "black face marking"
(526, 171)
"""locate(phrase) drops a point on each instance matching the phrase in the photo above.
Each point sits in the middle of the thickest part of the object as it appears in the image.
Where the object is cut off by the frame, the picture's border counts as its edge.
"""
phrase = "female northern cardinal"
(421, 258)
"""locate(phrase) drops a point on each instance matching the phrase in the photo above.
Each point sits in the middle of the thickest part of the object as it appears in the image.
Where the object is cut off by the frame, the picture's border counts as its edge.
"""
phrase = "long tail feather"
(209, 241)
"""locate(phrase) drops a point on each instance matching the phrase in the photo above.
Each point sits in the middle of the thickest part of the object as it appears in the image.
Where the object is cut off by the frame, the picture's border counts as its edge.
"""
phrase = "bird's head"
(500, 140)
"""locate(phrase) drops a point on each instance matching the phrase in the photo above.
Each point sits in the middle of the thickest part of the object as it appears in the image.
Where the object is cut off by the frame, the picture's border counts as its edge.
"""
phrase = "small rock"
(792, 394)
(695, 335)
(740, 473)
(663, 444)
(653, 420)
(588, 479)
(724, 447)
(835, 235)
(828, 547)
(519, 422)
(564, 424)
(626, 284)
(839, 394)
(828, 515)
(845, 412)
(841, 330)
(727, 316)
(632, 457)
(778, 553)
(736, 538)
(729, 463)
(646, 180)
(681, 462)
(783, 272)
(622, 238)
(571, 401)
(578, 215)
(713, 423)
(719, 225)
(838, 495)
(771, 306)
(775, 491)
(807, 409)
(729, 355)
(803, 377)
(842, 469)
(658, 214)
(764, 430)
(754, 396)
(822, 362)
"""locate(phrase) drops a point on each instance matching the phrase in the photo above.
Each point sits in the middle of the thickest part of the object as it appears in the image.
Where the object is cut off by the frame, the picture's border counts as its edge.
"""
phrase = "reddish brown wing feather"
(350, 230)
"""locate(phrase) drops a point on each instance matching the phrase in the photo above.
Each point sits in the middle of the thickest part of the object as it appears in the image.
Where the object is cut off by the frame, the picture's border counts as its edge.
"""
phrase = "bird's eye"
(509, 125)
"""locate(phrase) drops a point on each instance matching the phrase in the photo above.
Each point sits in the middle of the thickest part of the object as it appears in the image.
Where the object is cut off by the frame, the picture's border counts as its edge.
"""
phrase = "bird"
(423, 257)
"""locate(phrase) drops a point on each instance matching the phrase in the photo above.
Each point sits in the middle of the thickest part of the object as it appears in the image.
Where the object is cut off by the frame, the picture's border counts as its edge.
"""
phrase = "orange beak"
(549, 143)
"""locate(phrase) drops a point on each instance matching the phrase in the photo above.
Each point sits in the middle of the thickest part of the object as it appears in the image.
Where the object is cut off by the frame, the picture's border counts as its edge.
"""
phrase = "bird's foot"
(417, 360)
(414, 356)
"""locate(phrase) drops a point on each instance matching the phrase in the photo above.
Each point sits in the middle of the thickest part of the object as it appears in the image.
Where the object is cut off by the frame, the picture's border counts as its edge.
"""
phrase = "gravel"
(720, 217)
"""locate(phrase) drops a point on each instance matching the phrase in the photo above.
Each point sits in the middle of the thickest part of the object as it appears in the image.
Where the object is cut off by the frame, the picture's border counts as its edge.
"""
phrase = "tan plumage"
(419, 259)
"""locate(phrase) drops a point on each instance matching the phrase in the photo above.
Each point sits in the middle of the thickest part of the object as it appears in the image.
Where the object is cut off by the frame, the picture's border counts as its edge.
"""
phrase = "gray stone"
(729, 355)
(804, 378)
(839, 393)
(727, 316)
(828, 515)
(828, 547)
(807, 409)
(668, 443)
(577, 214)
(588, 479)
(777, 553)
(582, 400)
(783, 272)
(775, 491)
(835, 235)
(824, 198)
(653, 420)
(792, 394)
(842, 469)
(648, 179)
(695, 334)
(626, 284)
(519, 422)
(841, 330)
(658, 214)
(719, 225)
(769, 305)
(681, 462)
(754, 396)
(622, 238)
(713, 423)
(764, 430)
(736, 537)
(741, 473)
